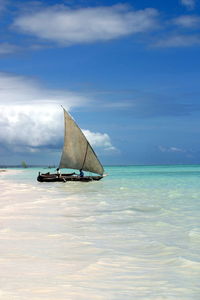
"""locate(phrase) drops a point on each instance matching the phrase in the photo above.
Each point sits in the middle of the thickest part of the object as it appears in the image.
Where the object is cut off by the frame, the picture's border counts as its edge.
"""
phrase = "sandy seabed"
(82, 242)
(43, 254)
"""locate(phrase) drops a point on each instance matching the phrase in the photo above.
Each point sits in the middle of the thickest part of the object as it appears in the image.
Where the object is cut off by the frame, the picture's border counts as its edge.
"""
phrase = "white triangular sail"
(77, 152)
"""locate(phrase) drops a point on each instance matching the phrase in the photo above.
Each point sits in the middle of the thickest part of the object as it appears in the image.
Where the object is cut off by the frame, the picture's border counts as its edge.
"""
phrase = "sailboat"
(77, 154)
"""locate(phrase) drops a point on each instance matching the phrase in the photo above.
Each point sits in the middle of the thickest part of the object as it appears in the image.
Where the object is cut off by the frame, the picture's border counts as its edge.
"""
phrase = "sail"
(77, 152)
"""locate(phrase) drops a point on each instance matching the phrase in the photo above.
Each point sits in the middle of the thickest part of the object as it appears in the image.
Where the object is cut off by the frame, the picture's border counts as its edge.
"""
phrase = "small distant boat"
(77, 154)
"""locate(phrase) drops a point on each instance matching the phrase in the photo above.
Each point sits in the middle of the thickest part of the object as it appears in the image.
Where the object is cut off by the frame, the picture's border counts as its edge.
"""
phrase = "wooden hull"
(65, 178)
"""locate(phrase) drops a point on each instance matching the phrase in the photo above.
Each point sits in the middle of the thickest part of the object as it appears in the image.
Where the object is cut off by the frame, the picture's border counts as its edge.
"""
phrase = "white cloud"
(16, 89)
(178, 41)
(31, 116)
(189, 3)
(171, 149)
(99, 140)
(69, 26)
(187, 21)
(27, 128)
(6, 48)
(31, 126)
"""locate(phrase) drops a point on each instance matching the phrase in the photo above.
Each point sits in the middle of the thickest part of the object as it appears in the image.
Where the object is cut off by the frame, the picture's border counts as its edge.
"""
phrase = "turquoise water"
(133, 235)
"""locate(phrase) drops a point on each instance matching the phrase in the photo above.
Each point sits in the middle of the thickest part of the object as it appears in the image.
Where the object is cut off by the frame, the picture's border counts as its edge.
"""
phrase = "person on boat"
(58, 172)
(81, 173)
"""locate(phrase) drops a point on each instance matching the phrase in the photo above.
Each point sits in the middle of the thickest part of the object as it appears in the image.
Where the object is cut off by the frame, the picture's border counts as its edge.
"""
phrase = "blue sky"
(127, 71)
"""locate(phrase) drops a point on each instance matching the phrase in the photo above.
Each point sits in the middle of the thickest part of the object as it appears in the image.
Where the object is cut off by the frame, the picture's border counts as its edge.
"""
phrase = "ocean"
(133, 235)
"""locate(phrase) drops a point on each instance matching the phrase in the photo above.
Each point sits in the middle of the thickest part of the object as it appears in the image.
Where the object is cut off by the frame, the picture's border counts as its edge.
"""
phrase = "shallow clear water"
(133, 235)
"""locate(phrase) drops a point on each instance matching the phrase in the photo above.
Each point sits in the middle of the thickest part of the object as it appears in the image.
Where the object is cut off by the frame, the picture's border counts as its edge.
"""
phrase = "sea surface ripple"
(133, 235)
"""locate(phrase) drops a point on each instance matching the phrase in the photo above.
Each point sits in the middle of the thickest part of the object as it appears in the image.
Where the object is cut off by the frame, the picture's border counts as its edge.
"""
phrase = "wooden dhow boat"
(77, 154)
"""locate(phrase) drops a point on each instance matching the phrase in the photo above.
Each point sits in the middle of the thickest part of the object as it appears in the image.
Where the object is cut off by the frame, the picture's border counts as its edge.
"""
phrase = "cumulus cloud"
(31, 117)
(32, 128)
(99, 140)
(179, 40)
(71, 26)
(190, 4)
(187, 21)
